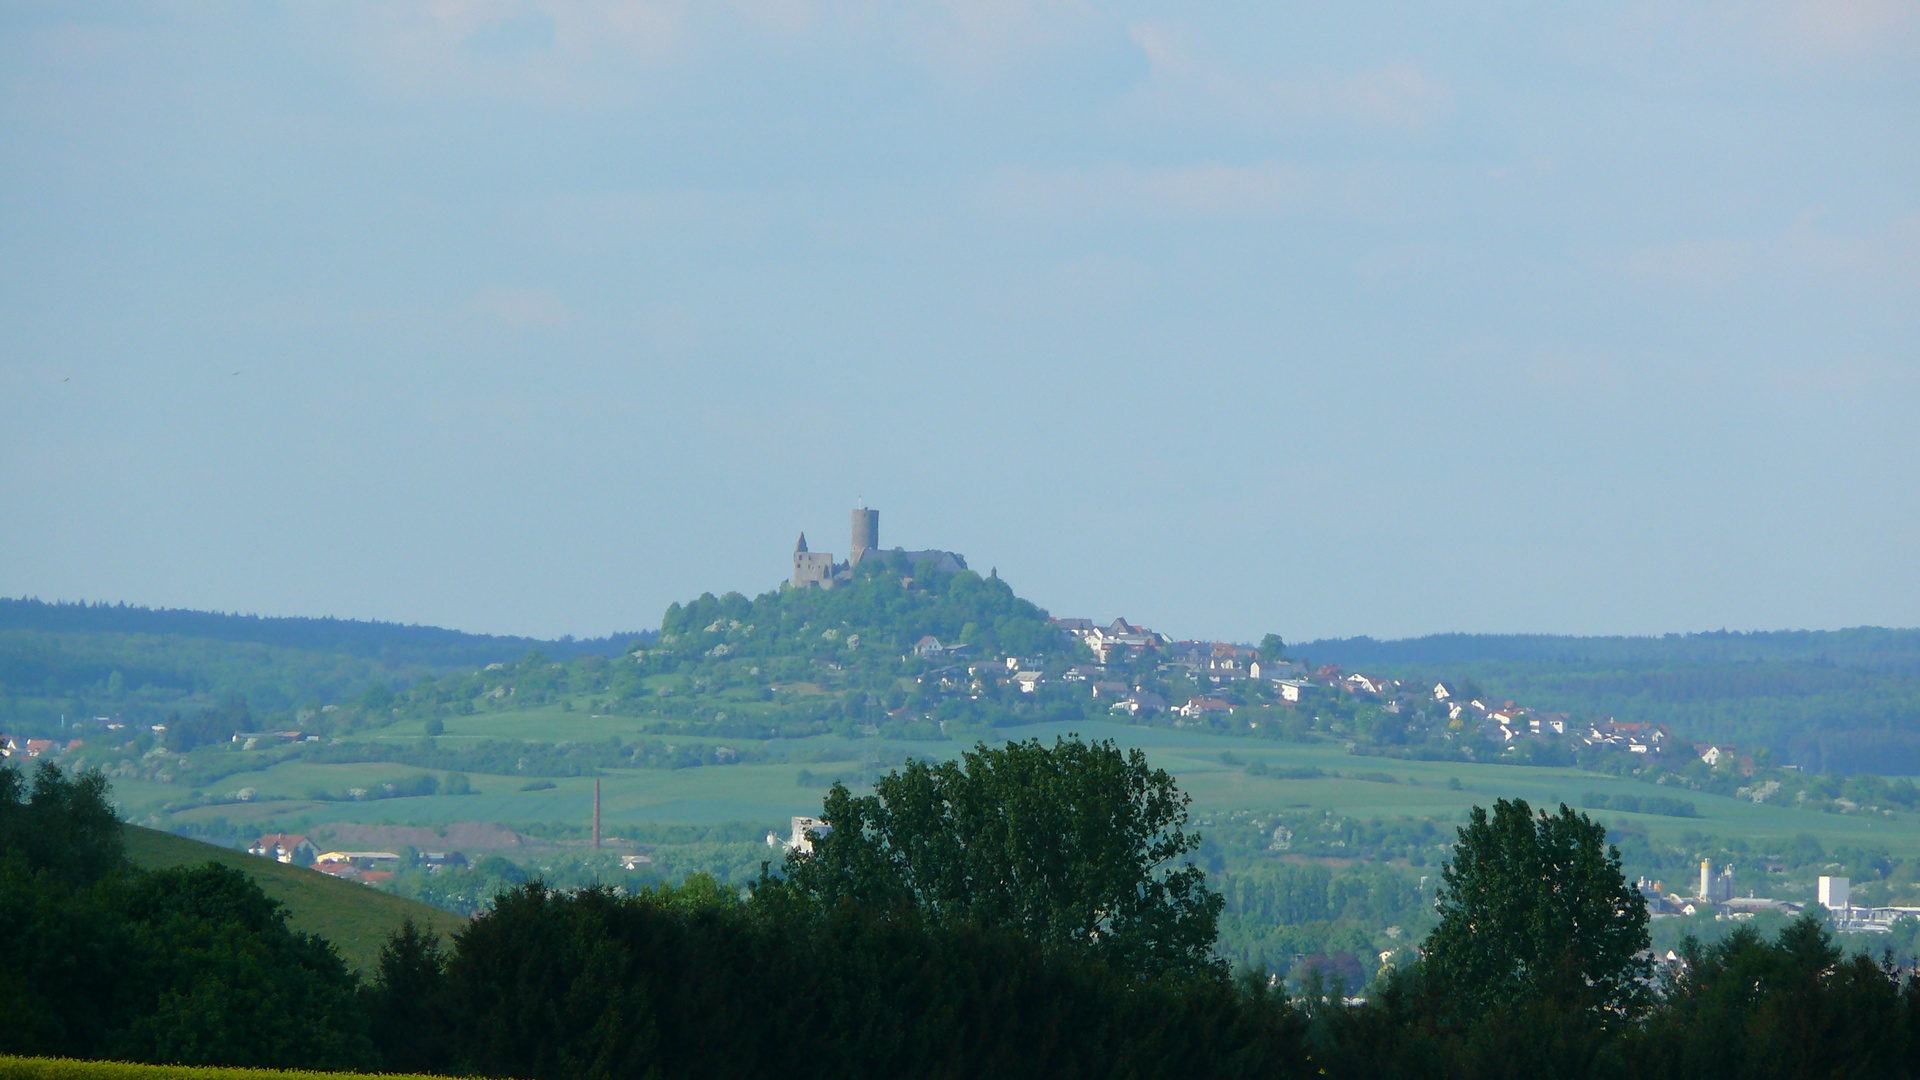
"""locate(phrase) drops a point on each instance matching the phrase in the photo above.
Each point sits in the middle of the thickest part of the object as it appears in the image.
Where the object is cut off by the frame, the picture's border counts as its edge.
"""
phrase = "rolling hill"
(1829, 701)
(136, 664)
(355, 918)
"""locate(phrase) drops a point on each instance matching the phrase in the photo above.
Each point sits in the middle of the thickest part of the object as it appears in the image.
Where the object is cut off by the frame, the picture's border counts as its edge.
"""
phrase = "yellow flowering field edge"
(32, 1068)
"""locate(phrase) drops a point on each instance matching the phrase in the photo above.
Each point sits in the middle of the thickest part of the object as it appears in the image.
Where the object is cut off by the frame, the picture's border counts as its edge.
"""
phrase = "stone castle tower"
(818, 568)
(811, 567)
(866, 535)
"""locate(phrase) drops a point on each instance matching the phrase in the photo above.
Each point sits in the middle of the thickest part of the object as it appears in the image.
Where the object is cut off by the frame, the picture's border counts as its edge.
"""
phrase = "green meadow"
(1353, 786)
(358, 920)
(44, 1068)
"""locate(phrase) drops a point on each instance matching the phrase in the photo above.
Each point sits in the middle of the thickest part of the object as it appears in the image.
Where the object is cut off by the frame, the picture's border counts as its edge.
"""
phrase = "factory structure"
(1718, 897)
(1836, 895)
(819, 569)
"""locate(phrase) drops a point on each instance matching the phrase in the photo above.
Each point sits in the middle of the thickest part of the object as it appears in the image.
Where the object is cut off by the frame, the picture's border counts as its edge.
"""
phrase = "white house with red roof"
(291, 848)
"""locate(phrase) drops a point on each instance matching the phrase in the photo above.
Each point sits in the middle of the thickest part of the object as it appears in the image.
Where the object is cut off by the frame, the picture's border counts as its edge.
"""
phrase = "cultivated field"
(768, 794)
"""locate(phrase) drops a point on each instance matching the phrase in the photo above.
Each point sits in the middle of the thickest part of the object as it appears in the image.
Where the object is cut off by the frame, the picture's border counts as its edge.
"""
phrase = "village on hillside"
(1133, 669)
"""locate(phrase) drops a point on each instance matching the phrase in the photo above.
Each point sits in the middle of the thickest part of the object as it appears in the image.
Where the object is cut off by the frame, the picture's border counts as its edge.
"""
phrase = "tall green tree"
(1273, 648)
(1795, 1006)
(1075, 844)
(60, 826)
(1533, 909)
(190, 965)
(220, 979)
(406, 1007)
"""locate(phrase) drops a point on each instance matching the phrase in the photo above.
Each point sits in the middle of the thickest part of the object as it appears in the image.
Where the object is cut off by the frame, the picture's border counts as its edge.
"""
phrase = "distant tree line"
(394, 643)
(1640, 804)
(692, 982)
(1866, 647)
(1537, 969)
(196, 965)
(1026, 911)
(140, 663)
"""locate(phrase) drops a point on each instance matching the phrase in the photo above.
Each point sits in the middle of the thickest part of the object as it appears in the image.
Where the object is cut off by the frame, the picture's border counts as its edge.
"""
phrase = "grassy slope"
(31, 1068)
(767, 793)
(355, 918)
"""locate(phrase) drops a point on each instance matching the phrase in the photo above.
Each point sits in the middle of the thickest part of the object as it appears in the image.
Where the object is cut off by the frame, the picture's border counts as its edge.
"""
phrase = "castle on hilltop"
(811, 568)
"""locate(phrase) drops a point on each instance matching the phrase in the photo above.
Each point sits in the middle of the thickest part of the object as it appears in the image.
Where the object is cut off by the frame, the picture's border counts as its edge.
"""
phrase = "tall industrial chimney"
(596, 815)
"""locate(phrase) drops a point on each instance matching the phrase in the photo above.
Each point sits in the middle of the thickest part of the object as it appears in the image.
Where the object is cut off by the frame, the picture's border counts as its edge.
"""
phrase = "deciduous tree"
(1073, 844)
(1535, 908)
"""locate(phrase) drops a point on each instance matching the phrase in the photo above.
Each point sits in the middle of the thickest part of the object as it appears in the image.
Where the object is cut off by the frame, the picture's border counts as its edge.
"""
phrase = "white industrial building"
(1836, 895)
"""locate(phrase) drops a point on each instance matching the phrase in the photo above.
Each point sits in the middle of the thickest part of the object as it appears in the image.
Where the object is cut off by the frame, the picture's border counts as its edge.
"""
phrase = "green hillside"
(887, 605)
(1838, 701)
(1321, 819)
(355, 918)
(51, 1068)
(141, 665)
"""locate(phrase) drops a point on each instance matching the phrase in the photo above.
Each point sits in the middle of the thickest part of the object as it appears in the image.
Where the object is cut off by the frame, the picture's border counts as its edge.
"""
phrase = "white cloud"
(522, 307)
(1188, 192)
(1879, 259)
(585, 52)
(1885, 256)
(1842, 377)
(1842, 28)
(1192, 86)
(625, 217)
(966, 37)
(1692, 265)
(1769, 37)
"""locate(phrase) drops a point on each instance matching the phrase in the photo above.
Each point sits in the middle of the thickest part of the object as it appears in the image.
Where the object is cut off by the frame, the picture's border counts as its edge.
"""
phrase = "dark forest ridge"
(1861, 646)
(141, 664)
(410, 643)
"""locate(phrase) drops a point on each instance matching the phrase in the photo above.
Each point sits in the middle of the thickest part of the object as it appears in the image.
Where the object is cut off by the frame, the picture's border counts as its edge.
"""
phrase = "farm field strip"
(769, 792)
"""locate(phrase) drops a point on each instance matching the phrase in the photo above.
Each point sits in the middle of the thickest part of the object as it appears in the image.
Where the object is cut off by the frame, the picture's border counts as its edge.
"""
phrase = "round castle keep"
(818, 568)
(866, 534)
(812, 568)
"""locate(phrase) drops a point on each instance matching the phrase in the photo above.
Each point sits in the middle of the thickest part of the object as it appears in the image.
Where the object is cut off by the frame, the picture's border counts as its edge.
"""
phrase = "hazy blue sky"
(1331, 318)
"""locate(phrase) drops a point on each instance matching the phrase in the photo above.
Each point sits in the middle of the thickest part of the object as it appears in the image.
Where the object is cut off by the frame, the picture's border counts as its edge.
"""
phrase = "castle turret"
(811, 567)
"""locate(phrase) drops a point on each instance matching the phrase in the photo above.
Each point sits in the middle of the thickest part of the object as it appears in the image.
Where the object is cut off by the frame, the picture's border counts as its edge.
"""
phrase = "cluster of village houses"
(19, 746)
(1205, 661)
(12, 746)
(1221, 662)
(369, 867)
(366, 867)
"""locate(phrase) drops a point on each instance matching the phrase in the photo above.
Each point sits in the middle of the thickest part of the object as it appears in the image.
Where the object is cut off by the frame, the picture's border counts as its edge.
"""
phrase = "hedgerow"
(46, 1068)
